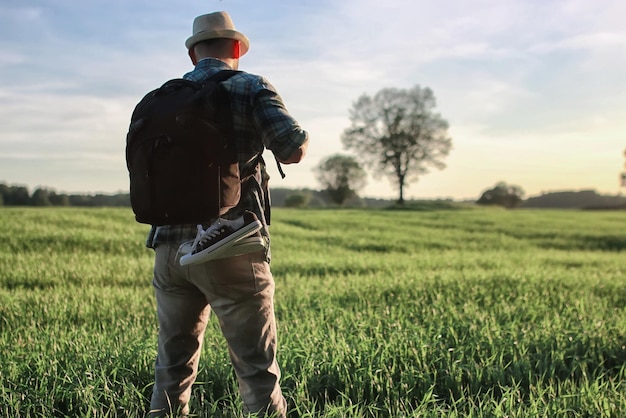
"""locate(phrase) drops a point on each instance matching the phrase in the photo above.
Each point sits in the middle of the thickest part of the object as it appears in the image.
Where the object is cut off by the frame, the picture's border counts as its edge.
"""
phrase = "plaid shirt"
(260, 120)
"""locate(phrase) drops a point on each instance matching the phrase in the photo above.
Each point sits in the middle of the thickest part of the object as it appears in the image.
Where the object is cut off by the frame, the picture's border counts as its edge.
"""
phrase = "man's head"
(214, 35)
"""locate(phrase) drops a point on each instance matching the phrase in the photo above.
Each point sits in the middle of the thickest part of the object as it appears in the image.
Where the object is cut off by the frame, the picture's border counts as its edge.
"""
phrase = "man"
(239, 288)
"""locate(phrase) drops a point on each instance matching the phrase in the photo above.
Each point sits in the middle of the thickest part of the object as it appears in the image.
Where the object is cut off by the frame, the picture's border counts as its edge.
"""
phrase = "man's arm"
(280, 132)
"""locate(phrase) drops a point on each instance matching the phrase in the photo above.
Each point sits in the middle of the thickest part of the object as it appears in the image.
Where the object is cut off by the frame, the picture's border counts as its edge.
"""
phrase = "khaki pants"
(240, 291)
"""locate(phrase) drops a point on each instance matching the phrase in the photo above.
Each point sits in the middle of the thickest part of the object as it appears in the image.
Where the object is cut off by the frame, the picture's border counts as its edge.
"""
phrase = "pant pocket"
(239, 277)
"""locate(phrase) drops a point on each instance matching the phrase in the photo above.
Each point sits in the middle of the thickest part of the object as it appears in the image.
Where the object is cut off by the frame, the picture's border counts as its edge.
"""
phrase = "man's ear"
(236, 50)
(192, 55)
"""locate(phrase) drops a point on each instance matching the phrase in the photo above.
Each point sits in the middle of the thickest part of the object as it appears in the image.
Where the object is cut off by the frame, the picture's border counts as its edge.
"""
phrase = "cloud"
(601, 41)
(10, 58)
(19, 15)
(40, 124)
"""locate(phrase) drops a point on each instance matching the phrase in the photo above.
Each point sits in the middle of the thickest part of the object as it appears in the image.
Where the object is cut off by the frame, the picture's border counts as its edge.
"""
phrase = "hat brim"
(221, 33)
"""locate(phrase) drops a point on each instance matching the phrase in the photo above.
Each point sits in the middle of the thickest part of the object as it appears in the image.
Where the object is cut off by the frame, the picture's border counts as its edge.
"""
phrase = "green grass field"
(442, 313)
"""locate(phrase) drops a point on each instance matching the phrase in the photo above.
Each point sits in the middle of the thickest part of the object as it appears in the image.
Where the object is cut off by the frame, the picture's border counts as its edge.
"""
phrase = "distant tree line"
(13, 195)
(583, 199)
(502, 194)
(17, 195)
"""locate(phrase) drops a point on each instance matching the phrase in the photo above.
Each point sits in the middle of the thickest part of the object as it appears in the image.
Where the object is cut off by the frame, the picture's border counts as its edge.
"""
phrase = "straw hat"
(216, 25)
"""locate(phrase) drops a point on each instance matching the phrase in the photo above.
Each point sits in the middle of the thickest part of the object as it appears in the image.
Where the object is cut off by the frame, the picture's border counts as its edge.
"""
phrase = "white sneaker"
(213, 242)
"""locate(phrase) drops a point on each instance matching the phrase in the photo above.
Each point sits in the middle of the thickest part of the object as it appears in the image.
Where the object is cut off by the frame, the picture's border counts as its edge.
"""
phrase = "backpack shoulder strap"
(222, 75)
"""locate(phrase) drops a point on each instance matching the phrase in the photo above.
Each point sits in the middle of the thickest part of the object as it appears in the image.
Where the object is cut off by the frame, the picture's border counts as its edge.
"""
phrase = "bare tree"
(398, 134)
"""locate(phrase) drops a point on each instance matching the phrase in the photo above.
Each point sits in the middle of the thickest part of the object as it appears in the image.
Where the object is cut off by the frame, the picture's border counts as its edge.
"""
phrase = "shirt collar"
(213, 63)
(205, 68)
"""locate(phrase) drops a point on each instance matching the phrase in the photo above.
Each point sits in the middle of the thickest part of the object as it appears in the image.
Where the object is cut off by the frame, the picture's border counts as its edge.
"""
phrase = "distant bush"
(505, 195)
(298, 200)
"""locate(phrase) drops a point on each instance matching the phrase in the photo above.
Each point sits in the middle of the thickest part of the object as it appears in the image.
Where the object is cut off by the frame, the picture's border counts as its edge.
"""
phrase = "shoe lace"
(204, 235)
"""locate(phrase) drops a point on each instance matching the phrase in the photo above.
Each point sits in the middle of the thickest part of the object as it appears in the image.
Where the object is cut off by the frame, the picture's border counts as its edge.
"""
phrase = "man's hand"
(297, 155)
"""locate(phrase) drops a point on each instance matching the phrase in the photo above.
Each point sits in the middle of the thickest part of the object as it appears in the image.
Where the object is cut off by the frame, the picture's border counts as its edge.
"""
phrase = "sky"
(534, 91)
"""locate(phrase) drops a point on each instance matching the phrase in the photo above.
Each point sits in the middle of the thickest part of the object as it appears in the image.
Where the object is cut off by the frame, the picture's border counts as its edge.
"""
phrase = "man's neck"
(232, 63)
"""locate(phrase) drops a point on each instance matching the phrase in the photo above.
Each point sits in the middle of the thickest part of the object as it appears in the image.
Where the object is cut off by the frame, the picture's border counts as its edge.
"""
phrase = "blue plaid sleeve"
(279, 131)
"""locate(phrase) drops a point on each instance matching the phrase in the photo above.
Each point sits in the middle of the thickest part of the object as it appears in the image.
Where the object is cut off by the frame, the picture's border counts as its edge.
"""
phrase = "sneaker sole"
(250, 244)
(217, 249)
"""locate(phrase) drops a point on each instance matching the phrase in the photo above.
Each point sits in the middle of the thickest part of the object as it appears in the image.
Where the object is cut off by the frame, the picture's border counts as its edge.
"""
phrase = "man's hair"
(218, 47)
